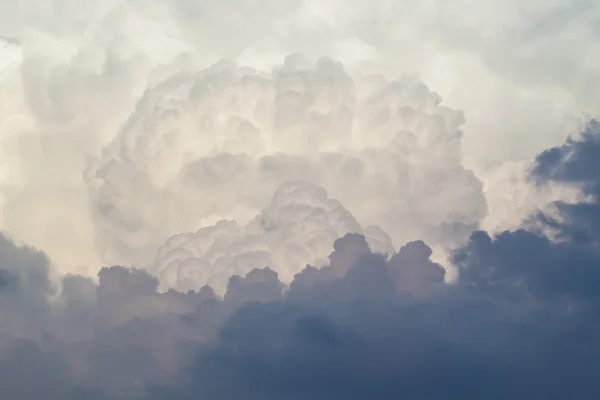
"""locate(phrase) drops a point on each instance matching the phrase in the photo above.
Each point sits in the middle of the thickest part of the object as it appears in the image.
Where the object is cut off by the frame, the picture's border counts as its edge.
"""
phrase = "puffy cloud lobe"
(228, 143)
(298, 227)
(413, 270)
(259, 285)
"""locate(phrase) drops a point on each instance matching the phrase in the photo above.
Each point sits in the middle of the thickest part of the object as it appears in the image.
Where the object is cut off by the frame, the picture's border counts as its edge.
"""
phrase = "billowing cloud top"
(524, 307)
(299, 199)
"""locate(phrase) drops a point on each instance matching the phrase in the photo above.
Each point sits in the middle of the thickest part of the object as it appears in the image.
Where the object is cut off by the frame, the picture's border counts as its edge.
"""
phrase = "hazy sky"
(230, 145)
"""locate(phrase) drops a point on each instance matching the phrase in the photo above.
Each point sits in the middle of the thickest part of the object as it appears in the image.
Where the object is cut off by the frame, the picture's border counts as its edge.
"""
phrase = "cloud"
(574, 164)
(90, 74)
(260, 149)
(357, 337)
(524, 307)
(297, 228)
(24, 287)
(108, 338)
(298, 199)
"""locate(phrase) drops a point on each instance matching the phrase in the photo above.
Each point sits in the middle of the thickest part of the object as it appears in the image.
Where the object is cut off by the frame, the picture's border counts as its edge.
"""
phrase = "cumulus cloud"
(216, 144)
(524, 307)
(91, 74)
(297, 228)
(300, 199)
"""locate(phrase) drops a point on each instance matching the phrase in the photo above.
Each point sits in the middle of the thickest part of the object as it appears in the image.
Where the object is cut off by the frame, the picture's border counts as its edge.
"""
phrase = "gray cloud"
(524, 307)
(356, 337)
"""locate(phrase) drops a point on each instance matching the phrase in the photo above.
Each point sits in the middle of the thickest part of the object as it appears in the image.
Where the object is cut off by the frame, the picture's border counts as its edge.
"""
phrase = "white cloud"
(522, 73)
(217, 144)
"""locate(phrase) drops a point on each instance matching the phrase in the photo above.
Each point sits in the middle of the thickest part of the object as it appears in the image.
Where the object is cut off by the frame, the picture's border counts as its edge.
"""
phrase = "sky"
(299, 199)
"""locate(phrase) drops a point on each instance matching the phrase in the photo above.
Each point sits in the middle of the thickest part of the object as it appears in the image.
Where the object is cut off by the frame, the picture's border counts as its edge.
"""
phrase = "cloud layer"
(299, 199)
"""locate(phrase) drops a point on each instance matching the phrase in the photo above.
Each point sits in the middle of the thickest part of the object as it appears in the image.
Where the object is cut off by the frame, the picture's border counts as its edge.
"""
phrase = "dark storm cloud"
(73, 338)
(498, 334)
(576, 162)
